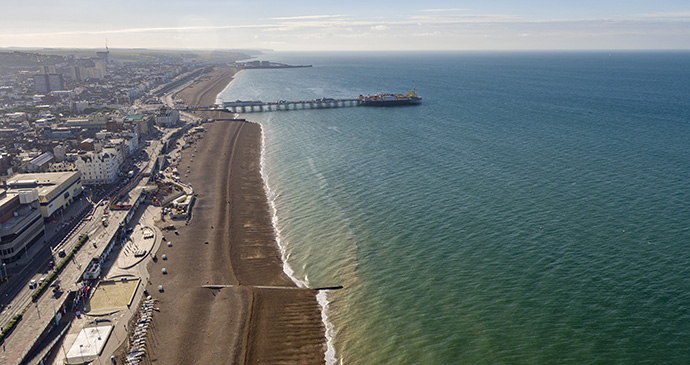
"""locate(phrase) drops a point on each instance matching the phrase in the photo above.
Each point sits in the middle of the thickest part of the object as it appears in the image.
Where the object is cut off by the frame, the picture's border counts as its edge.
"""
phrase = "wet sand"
(239, 324)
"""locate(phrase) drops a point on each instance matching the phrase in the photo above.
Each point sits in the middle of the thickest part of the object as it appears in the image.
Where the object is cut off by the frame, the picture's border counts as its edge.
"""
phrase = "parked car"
(32, 284)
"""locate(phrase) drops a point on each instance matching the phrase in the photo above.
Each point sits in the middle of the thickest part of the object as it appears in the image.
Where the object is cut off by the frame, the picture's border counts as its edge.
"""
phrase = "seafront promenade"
(43, 320)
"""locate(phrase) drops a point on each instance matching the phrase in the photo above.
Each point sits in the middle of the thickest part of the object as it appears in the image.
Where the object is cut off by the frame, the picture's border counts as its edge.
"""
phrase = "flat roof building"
(21, 225)
(56, 190)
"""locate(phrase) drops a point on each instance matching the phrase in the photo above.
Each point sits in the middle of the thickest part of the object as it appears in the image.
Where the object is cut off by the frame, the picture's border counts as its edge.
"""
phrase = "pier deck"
(241, 106)
(382, 99)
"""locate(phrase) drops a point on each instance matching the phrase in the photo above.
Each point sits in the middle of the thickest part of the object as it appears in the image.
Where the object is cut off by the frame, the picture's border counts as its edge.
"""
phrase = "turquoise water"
(534, 208)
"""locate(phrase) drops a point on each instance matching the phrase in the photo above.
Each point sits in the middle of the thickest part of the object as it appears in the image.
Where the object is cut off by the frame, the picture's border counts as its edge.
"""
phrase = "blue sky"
(348, 25)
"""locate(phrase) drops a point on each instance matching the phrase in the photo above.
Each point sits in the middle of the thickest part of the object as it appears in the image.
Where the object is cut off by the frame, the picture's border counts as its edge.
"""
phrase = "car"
(61, 253)
(41, 281)
(32, 284)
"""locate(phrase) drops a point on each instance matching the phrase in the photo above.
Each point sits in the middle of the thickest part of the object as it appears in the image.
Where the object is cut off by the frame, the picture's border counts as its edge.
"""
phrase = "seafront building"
(98, 168)
(29, 201)
(54, 190)
(21, 224)
(167, 117)
(144, 123)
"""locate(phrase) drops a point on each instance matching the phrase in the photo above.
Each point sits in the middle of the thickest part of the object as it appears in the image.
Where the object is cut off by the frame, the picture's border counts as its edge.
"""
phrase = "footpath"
(33, 323)
(72, 344)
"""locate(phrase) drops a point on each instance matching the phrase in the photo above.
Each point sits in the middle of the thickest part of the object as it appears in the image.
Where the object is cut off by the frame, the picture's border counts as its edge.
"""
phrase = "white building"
(60, 151)
(168, 117)
(131, 140)
(118, 148)
(98, 168)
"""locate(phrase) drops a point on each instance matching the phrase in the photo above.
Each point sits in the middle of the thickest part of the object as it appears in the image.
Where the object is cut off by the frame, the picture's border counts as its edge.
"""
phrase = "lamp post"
(62, 344)
(98, 333)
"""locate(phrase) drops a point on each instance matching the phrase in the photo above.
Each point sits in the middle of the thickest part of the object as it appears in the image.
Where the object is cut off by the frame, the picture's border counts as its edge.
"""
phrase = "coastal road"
(16, 294)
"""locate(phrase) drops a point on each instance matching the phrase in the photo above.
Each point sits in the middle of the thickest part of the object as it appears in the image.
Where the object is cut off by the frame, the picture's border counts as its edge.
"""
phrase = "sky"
(296, 25)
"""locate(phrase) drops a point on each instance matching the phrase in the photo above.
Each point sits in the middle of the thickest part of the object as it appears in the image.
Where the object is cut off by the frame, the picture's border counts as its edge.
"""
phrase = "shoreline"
(233, 214)
(321, 296)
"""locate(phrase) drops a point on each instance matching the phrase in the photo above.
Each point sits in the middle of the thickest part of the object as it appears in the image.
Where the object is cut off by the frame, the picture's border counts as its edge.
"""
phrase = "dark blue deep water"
(534, 209)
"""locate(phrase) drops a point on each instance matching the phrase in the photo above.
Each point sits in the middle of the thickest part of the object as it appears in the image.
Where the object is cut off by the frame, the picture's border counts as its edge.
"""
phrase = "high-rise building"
(77, 72)
(105, 56)
(102, 67)
(45, 83)
(56, 82)
(47, 69)
(41, 83)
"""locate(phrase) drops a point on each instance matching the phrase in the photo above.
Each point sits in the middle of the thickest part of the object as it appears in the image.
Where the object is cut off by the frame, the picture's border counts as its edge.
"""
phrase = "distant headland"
(264, 64)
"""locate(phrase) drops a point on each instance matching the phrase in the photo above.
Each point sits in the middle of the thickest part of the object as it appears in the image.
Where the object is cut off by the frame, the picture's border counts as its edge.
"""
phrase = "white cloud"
(422, 29)
(307, 17)
(427, 34)
(140, 30)
(468, 18)
(444, 10)
(680, 14)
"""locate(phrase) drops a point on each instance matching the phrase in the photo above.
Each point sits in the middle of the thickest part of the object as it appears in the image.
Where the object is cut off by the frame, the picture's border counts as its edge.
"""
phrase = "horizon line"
(38, 48)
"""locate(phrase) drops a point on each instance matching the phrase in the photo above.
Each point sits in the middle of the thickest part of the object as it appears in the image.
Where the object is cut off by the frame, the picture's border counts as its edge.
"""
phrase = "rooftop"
(134, 117)
(43, 178)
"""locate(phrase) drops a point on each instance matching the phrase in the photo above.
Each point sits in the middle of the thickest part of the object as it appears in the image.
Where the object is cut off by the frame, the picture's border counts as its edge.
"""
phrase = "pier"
(381, 99)
(240, 106)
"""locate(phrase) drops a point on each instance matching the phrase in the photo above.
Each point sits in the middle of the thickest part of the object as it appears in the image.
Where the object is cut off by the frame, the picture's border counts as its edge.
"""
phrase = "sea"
(534, 208)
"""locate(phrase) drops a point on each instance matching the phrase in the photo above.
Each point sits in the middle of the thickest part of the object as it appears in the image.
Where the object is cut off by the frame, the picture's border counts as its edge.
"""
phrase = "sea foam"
(322, 297)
